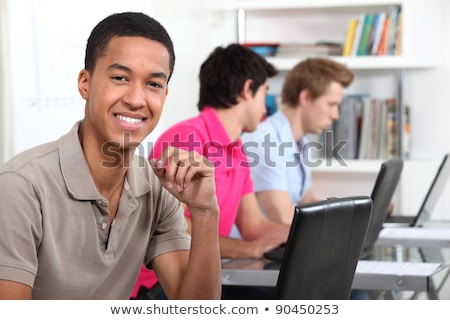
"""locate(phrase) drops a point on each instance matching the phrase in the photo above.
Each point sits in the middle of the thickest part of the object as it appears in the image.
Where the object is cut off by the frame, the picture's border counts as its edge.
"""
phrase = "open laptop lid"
(323, 248)
(382, 194)
(434, 192)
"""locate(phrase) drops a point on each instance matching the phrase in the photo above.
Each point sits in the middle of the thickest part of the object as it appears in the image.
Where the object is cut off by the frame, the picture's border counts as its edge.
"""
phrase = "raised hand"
(187, 175)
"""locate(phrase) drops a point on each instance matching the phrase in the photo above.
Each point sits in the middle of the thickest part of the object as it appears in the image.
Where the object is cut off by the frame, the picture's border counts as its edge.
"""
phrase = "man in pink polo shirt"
(233, 87)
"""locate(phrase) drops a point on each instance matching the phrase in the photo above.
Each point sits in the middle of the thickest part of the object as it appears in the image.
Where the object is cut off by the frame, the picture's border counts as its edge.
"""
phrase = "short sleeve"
(170, 233)
(21, 231)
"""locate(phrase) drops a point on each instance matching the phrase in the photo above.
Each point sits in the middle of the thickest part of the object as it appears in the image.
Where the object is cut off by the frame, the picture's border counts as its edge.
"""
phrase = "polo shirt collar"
(280, 121)
(76, 172)
(136, 180)
(214, 126)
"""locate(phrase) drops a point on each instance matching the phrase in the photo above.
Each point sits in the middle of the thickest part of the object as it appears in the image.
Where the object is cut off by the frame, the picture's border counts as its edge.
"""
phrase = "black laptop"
(323, 247)
(429, 202)
(382, 194)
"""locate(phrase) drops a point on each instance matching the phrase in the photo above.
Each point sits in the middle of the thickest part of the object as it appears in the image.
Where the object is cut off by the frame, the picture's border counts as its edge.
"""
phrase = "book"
(352, 25)
(378, 129)
(381, 51)
(308, 49)
(365, 34)
(371, 37)
(358, 32)
(406, 133)
(346, 127)
(382, 132)
(378, 32)
(365, 131)
(398, 40)
(392, 127)
(373, 137)
(392, 32)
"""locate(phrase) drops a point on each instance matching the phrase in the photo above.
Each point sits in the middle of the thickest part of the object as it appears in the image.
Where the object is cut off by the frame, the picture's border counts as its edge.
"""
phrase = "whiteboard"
(47, 40)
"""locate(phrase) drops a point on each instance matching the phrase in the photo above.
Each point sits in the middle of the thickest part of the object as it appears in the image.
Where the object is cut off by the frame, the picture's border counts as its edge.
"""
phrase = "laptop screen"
(434, 192)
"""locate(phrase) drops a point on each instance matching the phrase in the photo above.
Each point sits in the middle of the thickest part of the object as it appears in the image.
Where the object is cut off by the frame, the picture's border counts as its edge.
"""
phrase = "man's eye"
(155, 84)
(119, 78)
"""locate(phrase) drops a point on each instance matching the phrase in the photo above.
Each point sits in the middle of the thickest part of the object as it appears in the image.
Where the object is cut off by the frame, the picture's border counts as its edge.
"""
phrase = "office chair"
(323, 249)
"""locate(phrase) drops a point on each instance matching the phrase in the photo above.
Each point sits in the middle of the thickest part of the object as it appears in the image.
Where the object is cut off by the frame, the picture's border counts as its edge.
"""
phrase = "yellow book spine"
(350, 37)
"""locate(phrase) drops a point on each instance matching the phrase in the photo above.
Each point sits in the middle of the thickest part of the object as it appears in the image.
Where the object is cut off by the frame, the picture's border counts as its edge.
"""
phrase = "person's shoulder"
(39, 156)
(264, 128)
(194, 124)
(186, 134)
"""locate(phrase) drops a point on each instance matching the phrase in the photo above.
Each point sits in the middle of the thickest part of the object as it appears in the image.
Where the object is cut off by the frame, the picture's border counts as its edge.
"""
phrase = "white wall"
(5, 127)
(44, 51)
(46, 42)
(196, 31)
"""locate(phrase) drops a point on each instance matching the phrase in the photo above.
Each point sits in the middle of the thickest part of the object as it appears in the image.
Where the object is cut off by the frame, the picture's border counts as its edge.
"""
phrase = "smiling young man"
(80, 215)
(311, 94)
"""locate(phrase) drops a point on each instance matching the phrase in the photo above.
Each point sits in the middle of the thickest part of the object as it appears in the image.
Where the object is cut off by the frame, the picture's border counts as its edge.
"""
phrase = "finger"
(177, 166)
(195, 161)
(158, 167)
(189, 176)
(171, 169)
(166, 165)
(156, 164)
(182, 169)
(167, 153)
(181, 164)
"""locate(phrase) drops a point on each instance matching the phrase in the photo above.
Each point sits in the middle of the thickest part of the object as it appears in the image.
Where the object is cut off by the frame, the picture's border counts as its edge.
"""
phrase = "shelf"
(295, 4)
(364, 62)
(370, 166)
(350, 166)
(327, 20)
(421, 46)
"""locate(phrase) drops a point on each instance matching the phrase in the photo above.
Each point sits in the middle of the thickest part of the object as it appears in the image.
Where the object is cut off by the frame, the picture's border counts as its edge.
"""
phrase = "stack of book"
(367, 129)
(375, 34)
(307, 49)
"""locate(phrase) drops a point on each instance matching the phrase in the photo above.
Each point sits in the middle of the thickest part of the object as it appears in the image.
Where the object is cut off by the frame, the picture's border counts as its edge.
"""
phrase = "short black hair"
(224, 72)
(125, 24)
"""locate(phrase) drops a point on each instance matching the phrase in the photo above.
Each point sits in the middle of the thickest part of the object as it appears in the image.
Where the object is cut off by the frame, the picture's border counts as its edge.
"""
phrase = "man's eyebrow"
(119, 66)
(161, 75)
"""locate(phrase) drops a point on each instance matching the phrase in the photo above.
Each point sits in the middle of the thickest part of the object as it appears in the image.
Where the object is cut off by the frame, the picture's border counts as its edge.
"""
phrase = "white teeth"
(128, 119)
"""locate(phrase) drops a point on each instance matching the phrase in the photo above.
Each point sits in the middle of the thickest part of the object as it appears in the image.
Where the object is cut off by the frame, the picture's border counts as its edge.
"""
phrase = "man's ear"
(83, 83)
(246, 92)
(304, 97)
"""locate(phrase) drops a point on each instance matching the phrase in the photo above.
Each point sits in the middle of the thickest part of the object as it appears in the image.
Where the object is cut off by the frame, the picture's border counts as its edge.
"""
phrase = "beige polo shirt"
(54, 230)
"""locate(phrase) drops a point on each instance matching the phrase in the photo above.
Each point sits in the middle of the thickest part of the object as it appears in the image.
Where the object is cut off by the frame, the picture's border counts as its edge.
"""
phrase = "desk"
(415, 237)
(370, 275)
(433, 234)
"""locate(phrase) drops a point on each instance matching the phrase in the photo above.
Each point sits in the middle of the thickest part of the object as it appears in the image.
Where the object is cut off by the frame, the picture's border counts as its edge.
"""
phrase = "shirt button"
(99, 202)
(104, 225)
